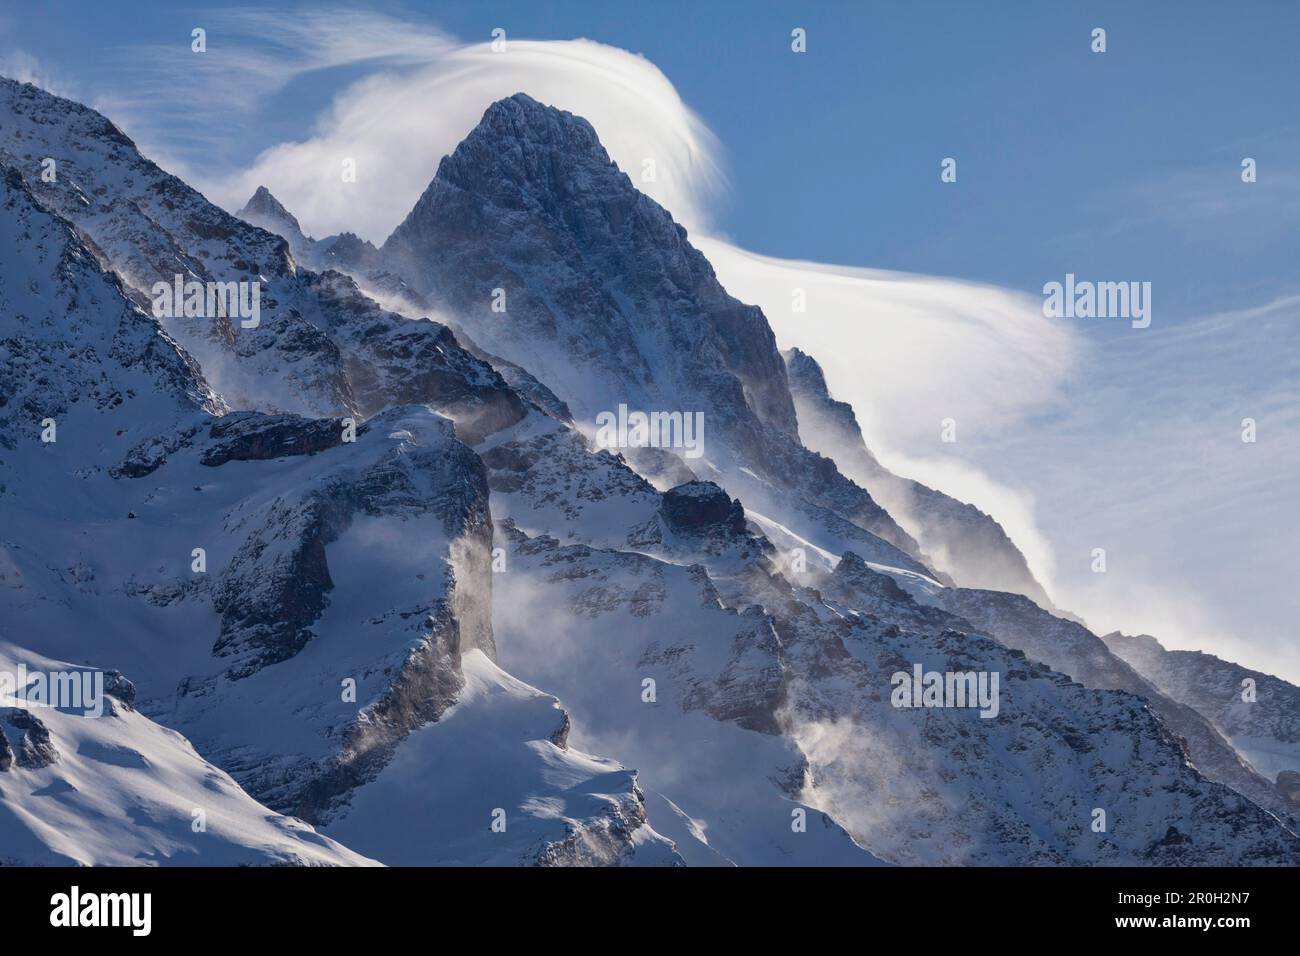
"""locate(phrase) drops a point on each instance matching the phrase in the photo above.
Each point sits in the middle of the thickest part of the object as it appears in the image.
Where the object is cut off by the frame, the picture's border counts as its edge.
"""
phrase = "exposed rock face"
(297, 604)
(1072, 649)
(962, 540)
(248, 436)
(264, 210)
(117, 686)
(319, 347)
(35, 749)
(327, 619)
(607, 302)
(391, 361)
(346, 252)
(1258, 713)
(267, 608)
(700, 507)
(1288, 781)
(531, 167)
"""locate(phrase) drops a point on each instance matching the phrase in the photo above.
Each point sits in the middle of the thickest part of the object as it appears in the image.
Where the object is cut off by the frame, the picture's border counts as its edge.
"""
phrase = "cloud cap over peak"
(396, 125)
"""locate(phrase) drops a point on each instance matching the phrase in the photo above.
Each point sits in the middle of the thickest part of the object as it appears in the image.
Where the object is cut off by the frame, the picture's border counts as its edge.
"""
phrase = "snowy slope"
(800, 686)
(607, 303)
(1055, 752)
(721, 631)
(962, 540)
(320, 347)
(119, 790)
(595, 625)
(303, 588)
(501, 748)
(1265, 729)
(1071, 648)
(683, 588)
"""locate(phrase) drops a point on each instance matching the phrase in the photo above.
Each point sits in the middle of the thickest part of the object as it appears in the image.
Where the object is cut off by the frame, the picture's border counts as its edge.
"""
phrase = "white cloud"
(1084, 442)
(906, 350)
(909, 350)
(22, 66)
(397, 124)
(1199, 526)
(252, 56)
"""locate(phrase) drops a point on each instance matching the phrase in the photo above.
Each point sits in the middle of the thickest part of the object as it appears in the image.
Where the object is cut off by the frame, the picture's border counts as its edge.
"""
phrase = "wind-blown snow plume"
(909, 351)
(970, 335)
(396, 124)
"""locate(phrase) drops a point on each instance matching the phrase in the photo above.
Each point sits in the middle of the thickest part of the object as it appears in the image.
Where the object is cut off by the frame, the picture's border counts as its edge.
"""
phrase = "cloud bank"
(906, 350)
(1104, 431)
(396, 124)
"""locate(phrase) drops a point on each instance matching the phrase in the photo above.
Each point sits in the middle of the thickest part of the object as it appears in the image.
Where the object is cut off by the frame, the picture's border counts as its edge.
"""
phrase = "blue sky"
(1064, 156)
(1116, 166)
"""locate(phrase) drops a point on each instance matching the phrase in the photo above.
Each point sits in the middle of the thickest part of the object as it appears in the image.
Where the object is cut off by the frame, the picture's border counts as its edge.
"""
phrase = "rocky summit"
(364, 583)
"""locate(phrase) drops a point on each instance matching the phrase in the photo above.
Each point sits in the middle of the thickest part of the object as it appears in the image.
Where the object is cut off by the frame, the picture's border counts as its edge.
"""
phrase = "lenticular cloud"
(397, 124)
(869, 328)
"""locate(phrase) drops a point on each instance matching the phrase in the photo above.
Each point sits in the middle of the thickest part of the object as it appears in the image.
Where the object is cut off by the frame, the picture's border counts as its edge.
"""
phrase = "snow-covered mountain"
(351, 552)
(964, 541)
(120, 790)
(803, 676)
(346, 252)
(319, 347)
(549, 257)
(241, 569)
(1257, 712)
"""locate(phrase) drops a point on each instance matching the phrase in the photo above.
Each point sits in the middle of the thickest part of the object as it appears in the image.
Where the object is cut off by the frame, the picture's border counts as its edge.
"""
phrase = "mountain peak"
(523, 146)
(523, 109)
(263, 201)
(804, 368)
(520, 102)
(264, 210)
